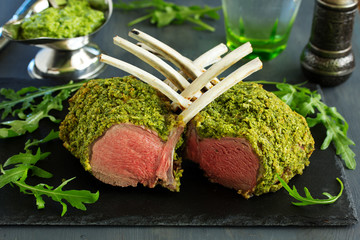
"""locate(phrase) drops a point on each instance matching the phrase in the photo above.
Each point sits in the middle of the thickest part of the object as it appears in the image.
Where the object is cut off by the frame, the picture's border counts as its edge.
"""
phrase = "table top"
(14, 59)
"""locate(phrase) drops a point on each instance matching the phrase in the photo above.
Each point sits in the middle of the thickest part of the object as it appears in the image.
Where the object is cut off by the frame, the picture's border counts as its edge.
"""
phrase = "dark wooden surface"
(15, 58)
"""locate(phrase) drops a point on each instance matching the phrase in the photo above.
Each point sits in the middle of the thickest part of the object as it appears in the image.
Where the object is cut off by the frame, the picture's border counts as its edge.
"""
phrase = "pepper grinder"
(328, 59)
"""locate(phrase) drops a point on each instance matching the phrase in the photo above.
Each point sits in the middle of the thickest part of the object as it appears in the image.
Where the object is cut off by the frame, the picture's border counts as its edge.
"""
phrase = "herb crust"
(279, 136)
(102, 103)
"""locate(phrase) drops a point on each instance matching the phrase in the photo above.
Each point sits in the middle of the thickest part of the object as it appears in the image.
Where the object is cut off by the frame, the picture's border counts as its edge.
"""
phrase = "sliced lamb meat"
(124, 133)
(118, 159)
(247, 136)
(228, 161)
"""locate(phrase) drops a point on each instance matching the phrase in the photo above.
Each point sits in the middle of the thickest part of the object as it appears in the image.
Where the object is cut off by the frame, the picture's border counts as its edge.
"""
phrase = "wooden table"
(15, 58)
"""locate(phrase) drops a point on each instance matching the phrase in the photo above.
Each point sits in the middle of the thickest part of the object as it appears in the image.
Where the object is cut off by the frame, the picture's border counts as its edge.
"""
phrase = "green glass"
(267, 28)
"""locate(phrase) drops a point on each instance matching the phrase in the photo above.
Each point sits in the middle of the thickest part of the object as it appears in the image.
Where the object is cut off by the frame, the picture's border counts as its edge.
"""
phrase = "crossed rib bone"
(191, 100)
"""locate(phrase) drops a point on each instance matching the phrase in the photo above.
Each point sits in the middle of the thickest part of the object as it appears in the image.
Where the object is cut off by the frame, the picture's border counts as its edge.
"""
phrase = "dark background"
(13, 63)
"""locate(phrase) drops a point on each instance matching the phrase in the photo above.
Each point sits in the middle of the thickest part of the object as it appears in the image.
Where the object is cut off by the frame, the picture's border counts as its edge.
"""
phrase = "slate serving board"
(200, 203)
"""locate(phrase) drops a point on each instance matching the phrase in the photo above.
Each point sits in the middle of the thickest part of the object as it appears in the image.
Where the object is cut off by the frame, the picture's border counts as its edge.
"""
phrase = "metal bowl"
(60, 58)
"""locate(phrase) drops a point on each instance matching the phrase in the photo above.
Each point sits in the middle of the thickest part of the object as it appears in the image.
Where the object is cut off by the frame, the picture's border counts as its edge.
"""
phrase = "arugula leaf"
(29, 122)
(76, 198)
(306, 103)
(52, 135)
(308, 199)
(14, 96)
(26, 158)
(12, 175)
(164, 13)
(23, 162)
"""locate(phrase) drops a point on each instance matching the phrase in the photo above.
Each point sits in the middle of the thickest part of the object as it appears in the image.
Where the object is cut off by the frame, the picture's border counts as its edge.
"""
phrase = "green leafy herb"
(76, 198)
(163, 13)
(308, 199)
(29, 112)
(52, 135)
(23, 163)
(307, 102)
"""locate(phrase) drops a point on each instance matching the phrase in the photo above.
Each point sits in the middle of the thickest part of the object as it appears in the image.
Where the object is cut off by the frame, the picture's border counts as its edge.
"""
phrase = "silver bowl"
(60, 58)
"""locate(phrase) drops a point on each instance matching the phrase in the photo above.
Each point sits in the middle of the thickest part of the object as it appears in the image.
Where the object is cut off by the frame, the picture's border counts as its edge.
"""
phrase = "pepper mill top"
(340, 3)
(328, 59)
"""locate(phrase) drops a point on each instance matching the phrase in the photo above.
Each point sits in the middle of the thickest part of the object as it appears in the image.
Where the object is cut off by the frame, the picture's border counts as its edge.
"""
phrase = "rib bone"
(189, 109)
(185, 64)
(176, 78)
(149, 49)
(148, 78)
(220, 88)
(216, 69)
(206, 59)
(211, 56)
(169, 53)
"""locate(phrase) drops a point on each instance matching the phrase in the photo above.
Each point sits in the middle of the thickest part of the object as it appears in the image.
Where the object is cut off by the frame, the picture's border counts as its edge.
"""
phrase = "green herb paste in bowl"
(76, 19)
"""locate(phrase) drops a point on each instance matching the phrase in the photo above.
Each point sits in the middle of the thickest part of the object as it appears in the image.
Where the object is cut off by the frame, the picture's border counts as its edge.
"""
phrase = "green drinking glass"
(266, 24)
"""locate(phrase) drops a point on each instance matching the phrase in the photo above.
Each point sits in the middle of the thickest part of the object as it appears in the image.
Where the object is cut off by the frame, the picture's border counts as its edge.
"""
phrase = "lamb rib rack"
(124, 133)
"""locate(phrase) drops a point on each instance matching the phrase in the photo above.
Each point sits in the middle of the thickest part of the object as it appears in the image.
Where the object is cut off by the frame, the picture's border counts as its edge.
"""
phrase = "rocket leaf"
(308, 199)
(23, 163)
(52, 135)
(30, 113)
(76, 198)
(163, 13)
(26, 158)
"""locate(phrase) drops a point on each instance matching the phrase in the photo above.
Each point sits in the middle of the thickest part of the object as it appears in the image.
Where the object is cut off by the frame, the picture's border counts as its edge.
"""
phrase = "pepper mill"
(328, 59)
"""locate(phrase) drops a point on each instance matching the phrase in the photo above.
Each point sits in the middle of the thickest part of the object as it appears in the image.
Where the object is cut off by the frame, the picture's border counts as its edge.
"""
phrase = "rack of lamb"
(126, 130)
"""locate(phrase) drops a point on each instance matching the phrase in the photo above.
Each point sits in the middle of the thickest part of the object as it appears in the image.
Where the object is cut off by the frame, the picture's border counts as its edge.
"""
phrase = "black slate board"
(200, 203)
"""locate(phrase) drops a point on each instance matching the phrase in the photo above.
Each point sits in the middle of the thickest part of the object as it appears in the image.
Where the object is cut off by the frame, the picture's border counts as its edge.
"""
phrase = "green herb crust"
(102, 103)
(279, 136)
(76, 19)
